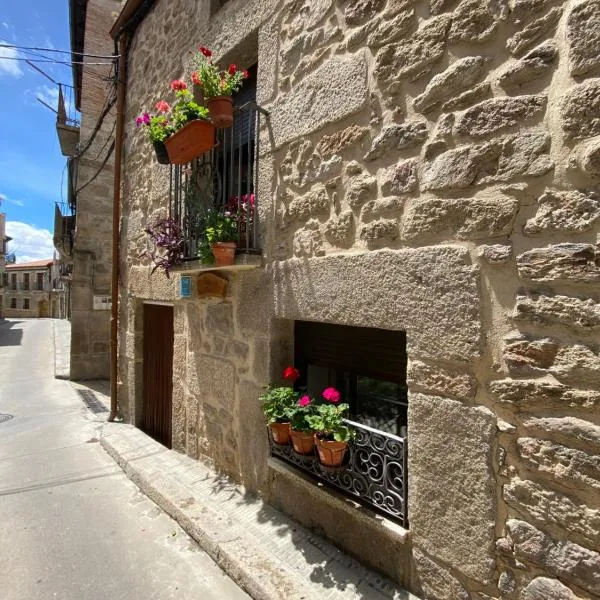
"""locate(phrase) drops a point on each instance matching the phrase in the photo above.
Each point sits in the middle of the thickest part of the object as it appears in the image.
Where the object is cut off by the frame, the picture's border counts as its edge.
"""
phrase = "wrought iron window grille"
(374, 473)
(225, 178)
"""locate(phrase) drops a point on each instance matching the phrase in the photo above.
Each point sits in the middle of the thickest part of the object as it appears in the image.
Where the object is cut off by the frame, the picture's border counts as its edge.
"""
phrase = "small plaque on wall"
(210, 285)
(102, 303)
(185, 286)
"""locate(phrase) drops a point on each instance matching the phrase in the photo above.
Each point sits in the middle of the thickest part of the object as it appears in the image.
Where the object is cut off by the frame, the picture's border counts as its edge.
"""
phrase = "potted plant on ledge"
(217, 86)
(181, 132)
(332, 434)
(278, 405)
(219, 239)
(302, 432)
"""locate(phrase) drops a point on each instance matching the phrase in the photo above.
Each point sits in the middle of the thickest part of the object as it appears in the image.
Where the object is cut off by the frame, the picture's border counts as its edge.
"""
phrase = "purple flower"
(146, 118)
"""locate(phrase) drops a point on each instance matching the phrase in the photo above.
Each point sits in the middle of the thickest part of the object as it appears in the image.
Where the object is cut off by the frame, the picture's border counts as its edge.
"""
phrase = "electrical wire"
(56, 62)
(15, 47)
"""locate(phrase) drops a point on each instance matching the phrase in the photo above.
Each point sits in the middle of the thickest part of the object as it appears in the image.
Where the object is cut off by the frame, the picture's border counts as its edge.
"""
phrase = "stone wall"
(92, 249)
(429, 166)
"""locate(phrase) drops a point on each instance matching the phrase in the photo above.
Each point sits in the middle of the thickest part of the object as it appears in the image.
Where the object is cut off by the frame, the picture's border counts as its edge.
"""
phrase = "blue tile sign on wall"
(185, 286)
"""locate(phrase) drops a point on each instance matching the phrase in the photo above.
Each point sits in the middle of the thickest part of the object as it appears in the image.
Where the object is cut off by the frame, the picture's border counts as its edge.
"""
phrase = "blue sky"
(31, 165)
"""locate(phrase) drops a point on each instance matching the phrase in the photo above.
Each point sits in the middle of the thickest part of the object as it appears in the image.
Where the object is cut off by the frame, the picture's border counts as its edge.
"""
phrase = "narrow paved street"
(72, 526)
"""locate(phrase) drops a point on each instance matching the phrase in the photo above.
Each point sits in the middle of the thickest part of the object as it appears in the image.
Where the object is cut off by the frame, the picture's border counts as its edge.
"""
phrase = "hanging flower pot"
(331, 453)
(280, 433)
(162, 156)
(196, 138)
(303, 441)
(220, 109)
(224, 253)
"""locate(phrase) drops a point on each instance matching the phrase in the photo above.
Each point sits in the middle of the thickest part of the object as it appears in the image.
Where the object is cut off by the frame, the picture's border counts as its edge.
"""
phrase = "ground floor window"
(13, 303)
(25, 303)
(367, 365)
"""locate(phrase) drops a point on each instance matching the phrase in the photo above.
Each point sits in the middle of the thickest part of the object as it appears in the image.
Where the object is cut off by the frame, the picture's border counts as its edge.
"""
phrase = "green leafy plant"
(216, 226)
(212, 79)
(328, 421)
(278, 404)
(171, 119)
(301, 416)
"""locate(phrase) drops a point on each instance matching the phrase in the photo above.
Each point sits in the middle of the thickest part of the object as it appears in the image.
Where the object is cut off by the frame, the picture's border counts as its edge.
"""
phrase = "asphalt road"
(72, 526)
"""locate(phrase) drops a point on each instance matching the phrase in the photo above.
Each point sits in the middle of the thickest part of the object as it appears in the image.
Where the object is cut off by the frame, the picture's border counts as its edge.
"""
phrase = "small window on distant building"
(25, 281)
(25, 303)
(40, 281)
(13, 303)
(13, 281)
(4, 279)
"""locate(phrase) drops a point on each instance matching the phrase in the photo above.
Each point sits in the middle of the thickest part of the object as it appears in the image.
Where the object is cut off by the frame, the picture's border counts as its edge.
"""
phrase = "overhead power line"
(15, 47)
(56, 62)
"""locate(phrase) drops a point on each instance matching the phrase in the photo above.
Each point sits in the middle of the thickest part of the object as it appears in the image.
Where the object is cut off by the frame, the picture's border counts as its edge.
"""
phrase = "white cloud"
(4, 198)
(29, 242)
(7, 65)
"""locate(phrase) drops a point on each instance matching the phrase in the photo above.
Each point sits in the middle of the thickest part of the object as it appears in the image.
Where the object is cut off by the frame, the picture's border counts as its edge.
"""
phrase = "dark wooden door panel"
(158, 372)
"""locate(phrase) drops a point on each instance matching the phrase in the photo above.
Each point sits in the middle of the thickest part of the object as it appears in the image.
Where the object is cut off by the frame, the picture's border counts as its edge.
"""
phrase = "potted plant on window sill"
(219, 239)
(302, 433)
(217, 86)
(332, 434)
(278, 405)
(181, 132)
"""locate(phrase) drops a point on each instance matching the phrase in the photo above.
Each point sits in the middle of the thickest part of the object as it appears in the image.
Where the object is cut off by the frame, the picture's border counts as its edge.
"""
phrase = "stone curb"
(216, 535)
(263, 575)
(61, 370)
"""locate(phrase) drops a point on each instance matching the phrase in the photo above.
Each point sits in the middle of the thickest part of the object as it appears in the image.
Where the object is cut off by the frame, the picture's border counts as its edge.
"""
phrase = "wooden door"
(158, 372)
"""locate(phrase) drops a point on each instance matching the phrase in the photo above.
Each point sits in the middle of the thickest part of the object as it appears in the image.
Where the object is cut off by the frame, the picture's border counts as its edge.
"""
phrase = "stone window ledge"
(243, 262)
(340, 502)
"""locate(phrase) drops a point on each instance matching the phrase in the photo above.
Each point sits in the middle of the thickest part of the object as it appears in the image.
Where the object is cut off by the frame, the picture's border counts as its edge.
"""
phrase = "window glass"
(26, 303)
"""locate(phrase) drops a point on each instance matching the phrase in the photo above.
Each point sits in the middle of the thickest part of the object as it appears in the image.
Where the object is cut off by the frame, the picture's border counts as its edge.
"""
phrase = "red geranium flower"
(232, 69)
(331, 395)
(245, 73)
(178, 85)
(291, 374)
(196, 78)
(163, 106)
(205, 51)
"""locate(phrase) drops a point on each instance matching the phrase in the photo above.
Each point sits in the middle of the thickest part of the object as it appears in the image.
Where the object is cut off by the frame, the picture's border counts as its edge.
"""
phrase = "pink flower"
(205, 51)
(331, 395)
(178, 85)
(163, 106)
(291, 374)
(232, 69)
(304, 401)
(196, 78)
(245, 73)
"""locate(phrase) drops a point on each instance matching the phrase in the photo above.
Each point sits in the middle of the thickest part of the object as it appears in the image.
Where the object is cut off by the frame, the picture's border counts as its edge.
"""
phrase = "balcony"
(67, 125)
(374, 473)
(226, 179)
(64, 229)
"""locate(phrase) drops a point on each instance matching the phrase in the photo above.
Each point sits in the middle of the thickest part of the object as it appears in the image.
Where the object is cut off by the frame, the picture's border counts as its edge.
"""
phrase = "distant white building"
(34, 289)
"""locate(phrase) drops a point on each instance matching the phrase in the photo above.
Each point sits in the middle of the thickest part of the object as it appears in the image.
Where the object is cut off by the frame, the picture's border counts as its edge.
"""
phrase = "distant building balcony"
(64, 229)
(67, 124)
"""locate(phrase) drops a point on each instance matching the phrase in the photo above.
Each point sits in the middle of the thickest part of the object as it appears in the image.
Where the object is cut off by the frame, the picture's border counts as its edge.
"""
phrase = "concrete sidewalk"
(62, 348)
(271, 556)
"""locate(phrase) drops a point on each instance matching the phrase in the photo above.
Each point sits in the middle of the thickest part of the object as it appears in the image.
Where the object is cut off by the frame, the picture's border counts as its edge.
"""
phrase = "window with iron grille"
(368, 366)
(224, 178)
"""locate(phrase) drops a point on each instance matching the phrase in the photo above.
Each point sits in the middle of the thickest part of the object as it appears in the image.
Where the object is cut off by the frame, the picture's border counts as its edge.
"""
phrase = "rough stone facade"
(92, 249)
(429, 166)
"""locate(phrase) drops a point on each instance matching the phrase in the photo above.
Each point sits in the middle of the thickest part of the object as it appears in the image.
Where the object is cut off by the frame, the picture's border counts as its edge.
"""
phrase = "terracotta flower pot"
(162, 156)
(224, 253)
(221, 111)
(196, 138)
(303, 441)
(280, 433)
(331, 453)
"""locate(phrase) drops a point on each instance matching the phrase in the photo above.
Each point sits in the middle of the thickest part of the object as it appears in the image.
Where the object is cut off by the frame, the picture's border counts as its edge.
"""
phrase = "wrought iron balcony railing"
(374, 472)
(224, 179)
